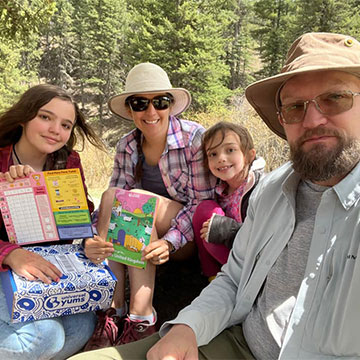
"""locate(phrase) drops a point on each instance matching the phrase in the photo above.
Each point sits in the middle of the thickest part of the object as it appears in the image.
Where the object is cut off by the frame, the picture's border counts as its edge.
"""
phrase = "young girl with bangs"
(230, 156)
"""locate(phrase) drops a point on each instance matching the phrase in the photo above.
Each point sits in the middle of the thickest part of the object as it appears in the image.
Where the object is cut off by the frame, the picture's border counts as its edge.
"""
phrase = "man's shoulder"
(278, 175)
(269, 195)
(270, 185)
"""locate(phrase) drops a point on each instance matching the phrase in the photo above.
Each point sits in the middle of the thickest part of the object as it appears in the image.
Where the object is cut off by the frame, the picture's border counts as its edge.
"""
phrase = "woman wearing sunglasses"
(161, 155)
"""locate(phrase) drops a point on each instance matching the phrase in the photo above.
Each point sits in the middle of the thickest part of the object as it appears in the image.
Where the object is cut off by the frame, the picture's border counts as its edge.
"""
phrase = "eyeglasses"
(137, 103)
(331, 103)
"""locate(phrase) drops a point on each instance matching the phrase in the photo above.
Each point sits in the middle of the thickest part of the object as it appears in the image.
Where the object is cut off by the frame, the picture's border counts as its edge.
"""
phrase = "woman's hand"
(17, 171)
(204, 230)
(32, 266)
(97, 250)
(157, 252)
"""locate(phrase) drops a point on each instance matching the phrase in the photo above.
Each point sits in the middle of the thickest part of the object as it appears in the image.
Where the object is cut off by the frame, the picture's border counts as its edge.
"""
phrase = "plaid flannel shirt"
(182, 170)
(73, 161)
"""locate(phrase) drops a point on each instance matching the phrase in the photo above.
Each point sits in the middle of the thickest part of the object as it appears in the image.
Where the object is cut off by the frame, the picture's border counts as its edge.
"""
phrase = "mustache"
(319, 131)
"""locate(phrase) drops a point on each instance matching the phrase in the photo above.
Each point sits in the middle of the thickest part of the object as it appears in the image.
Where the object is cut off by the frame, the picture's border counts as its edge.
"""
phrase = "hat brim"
(262, 94)
(182, 100)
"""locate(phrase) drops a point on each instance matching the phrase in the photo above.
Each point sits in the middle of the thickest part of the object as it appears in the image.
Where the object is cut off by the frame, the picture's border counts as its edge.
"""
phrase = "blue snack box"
(83, 287)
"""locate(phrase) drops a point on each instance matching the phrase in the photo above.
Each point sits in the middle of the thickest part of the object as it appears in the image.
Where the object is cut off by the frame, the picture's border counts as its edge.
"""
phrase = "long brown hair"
(27, 107)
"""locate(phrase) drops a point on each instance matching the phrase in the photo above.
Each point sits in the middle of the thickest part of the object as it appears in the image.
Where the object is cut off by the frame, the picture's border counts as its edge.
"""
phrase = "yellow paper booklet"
(45, 206)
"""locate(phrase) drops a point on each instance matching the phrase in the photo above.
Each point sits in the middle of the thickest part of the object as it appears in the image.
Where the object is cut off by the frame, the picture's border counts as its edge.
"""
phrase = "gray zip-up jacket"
(325, 321)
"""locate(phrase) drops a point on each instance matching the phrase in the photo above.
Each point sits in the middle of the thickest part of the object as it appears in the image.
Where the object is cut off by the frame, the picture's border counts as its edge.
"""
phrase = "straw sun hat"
(310, 52)
(149, 78)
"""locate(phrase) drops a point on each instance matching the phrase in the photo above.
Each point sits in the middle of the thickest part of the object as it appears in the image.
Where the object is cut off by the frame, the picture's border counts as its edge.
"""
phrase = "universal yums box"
(83, 287)
(45, 206)
(131, 224)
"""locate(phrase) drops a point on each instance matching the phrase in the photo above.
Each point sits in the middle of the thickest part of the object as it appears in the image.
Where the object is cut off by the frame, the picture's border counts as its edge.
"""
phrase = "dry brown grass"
(98, 165)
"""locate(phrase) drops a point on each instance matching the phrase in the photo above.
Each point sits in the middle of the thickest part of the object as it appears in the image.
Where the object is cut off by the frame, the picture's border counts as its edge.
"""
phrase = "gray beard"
(321, 164)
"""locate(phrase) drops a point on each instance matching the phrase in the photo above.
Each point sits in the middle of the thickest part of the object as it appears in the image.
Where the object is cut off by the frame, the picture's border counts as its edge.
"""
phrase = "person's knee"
(52, 339)
(205, 210)
(108, 195)
(167, 210)
(43, 339)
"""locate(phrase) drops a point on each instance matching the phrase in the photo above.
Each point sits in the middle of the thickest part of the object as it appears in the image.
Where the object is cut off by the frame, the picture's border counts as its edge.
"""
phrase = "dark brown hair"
(27, 107)
(246, 141)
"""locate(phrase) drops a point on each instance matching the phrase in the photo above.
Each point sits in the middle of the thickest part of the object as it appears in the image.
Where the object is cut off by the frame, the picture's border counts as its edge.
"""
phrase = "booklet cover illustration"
(131, 224)
(45, 206)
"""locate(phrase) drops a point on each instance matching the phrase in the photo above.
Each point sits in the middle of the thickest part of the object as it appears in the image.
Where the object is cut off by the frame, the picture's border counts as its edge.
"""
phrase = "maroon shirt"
(73, 161)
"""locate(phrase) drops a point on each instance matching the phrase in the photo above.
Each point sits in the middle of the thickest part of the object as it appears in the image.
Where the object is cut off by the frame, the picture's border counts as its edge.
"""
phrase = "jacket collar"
(347, 190)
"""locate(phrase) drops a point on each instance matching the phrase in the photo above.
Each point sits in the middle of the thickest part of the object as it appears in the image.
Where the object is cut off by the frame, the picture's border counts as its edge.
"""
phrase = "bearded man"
(291, 286)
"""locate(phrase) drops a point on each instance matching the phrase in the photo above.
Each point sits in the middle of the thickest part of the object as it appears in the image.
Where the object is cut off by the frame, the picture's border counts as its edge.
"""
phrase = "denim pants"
(56, 338)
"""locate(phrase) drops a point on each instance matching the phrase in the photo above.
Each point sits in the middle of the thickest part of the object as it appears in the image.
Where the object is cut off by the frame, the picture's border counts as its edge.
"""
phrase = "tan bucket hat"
(149, 78)
(310, 52)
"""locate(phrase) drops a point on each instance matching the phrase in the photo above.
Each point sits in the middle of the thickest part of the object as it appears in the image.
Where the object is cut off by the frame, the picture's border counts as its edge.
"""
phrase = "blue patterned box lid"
(83, 287)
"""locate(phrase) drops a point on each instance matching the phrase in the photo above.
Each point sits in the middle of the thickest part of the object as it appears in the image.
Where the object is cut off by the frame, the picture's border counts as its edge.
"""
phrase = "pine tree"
(186, 38)
(21, 22)
(273, 34)
(353, 19)
(13, 80)
(321, 16)
(103, 55)
(57, 60)
(21, 18)
(240, 45)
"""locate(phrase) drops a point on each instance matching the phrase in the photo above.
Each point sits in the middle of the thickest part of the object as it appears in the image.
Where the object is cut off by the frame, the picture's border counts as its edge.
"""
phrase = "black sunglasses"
(138, 103)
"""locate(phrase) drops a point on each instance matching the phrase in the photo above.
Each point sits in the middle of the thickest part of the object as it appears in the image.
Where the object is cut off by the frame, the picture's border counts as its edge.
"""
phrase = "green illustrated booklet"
(131, 224)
